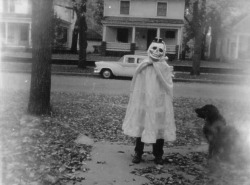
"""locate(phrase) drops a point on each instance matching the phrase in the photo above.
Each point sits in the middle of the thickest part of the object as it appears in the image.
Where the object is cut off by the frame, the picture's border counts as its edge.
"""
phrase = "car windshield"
(121, 59)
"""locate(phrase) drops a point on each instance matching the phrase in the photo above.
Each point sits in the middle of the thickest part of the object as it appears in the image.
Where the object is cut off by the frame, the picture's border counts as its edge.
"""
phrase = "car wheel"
(107, 73)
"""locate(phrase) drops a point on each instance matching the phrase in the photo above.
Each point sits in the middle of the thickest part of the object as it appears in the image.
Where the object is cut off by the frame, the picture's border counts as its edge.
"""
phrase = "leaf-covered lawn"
(47, 153)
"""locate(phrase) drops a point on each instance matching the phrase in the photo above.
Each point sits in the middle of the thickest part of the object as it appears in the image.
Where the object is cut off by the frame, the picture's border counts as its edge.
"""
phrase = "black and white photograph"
(124, 92)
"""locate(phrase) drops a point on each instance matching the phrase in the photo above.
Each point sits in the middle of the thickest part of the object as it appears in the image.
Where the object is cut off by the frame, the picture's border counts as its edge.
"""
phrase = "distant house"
(94, 41)
(15, 23)
(235, 45)
(64, 11)
(129, 26)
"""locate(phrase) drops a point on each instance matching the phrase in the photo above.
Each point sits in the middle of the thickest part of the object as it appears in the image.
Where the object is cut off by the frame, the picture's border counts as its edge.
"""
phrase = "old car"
(124, 67)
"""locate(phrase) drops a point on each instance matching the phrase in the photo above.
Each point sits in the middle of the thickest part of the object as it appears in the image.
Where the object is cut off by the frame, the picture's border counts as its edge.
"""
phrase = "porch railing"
(117, 46)
(130, 48)
(171, 49)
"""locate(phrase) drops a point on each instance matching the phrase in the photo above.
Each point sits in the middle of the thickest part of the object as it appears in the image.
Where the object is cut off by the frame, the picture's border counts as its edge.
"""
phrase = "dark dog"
(221, 138)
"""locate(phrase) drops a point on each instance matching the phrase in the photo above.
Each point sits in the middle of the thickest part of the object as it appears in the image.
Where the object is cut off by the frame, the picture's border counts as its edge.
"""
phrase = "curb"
(204, 81)
(96, 75)
(91, 63)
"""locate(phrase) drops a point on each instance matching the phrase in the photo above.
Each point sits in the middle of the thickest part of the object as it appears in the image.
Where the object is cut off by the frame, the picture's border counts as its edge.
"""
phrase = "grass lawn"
(47, 153)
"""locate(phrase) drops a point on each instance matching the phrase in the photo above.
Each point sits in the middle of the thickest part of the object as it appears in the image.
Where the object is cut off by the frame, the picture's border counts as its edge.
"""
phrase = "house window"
(24, 32)
(21, 6)
(248, 48)
(122, 35)
(11, 33)
(62, 35)
(12, 6)
(161, 9)
(124, 7)
(1, 6)
(2, 30)
(170, 34)
(228, 45)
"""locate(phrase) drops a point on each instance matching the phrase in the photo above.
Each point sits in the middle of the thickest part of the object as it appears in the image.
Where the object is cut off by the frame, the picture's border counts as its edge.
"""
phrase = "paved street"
(17, 81)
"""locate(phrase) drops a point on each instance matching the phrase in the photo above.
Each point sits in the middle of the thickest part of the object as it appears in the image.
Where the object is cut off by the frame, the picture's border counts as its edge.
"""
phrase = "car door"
(129, 65)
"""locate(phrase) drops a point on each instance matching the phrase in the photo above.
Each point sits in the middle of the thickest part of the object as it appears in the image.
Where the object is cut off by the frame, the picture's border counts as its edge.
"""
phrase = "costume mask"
(157, 50)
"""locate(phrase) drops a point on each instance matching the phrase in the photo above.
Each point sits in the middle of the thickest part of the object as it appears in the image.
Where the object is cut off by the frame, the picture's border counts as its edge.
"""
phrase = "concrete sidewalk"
(111, 163)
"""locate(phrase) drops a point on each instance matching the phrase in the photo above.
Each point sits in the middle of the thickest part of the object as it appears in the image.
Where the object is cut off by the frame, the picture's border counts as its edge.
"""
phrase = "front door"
(151, 35)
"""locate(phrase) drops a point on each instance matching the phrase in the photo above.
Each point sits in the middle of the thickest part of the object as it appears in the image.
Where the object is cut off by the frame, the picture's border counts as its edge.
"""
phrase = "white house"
(64, 11)
(235, 45)
(131, 25)
(15, 21)
(16, 25)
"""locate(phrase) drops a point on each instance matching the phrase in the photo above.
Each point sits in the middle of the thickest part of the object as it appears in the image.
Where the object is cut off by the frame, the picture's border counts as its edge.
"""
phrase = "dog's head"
(207, 112)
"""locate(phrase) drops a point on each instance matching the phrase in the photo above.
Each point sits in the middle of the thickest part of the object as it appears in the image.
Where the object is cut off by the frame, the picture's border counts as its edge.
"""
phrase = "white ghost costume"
(150, 113)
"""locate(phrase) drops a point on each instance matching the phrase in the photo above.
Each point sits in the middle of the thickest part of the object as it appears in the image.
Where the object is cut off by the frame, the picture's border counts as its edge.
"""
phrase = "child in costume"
(150, 116)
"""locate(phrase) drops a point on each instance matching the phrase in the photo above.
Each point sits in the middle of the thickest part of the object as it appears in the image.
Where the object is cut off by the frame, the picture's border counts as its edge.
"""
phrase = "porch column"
(179, 31)
(178, 36)
(6, 32)
(104, 34)
(158, 32)
(237, 47)
(133, 35)
(30, 39)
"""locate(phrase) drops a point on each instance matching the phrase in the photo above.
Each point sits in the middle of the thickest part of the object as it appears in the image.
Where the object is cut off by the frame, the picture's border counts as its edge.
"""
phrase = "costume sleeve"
(165, 74)
(139, 68)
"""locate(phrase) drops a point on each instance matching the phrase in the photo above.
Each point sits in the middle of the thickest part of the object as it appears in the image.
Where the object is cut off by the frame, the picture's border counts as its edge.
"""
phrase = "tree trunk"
(82, 42)
(81, 16)
(213, 46)
(183, 53)
(184, 49)
(197, 54)
(39, 100)
(198, 23)
(203, 47)
(75, 38)
(215, 30)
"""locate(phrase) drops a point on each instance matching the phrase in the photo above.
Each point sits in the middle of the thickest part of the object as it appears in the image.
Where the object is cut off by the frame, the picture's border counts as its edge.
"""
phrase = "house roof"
(140, 21)
(65, 23)
(243, 24)
(93, 35)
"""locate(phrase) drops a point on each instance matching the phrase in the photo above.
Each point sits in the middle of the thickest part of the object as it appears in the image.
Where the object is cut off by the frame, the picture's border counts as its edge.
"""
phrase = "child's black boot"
(159, 161)
(136, 159)
(139, 146)
(158, 151)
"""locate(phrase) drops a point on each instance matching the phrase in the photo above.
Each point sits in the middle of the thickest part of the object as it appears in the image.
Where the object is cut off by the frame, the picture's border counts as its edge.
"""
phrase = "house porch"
(236, 47)
(135, 40)
(16, 34)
